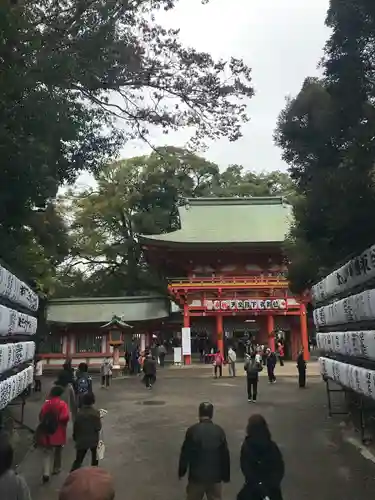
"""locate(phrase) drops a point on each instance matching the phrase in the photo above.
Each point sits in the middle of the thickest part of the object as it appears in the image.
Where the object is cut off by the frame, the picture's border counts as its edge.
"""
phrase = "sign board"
(246, 305)
(177, 355)
(186, 341)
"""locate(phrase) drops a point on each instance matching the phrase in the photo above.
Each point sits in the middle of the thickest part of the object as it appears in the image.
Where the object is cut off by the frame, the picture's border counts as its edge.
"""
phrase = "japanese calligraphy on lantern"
(245, 305)
(15, 354)
(360, 380)
(16, 291)
(355, 272)
(13, 322)
(352, 309)
(13, 386)
(356, 344)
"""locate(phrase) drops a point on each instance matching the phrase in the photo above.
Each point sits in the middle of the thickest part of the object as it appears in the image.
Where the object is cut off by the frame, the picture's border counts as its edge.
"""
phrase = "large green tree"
(141, 195)
(327, 137)
(80, 77)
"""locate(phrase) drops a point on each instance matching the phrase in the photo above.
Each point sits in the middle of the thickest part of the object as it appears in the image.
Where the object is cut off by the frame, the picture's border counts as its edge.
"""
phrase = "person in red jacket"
(51, 433)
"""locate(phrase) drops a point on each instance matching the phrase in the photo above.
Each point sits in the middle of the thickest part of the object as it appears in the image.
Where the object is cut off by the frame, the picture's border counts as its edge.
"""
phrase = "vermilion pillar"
(270, 332)
(220, 333)
(187, 357)
(304, 334)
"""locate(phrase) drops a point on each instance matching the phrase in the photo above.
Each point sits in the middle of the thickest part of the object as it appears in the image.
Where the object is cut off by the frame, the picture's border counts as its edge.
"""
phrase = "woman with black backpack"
(262, 463)
(51, 431)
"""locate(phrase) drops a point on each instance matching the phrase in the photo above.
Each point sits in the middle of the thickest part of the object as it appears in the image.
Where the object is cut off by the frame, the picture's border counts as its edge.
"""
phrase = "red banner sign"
(246, 305)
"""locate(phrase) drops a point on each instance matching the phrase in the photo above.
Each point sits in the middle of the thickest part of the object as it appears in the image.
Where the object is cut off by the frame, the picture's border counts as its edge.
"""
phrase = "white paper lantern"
(16, 291)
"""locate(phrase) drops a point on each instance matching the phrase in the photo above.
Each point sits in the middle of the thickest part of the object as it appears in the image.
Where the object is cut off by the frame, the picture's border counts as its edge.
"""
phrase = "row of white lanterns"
(17, 291)
(13, 322)
(15, 385)
(355, 272)
(352, 309)
(359, 344)
(12, 355)
(360, 380)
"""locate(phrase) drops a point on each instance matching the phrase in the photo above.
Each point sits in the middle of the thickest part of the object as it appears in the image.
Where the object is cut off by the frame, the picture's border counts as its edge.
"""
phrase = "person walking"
(66, 379)
(271, 363)
(162, 353)
(86, 431)
(149, 370)
(106, 372)
(51, 431)
(205, 455)
(218, 364)
(83, 383)
(252, 368)
(262, 463)
(301, 367)
(232, 358)
(12, 486)
(38, 375)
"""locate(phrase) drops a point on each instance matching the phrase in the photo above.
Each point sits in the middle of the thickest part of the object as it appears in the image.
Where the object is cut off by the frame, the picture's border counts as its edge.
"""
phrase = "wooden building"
(76, 327)
(226, 270)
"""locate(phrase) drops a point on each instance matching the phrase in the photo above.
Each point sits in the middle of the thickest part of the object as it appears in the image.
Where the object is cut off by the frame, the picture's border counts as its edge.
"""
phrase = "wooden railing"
(213, 281)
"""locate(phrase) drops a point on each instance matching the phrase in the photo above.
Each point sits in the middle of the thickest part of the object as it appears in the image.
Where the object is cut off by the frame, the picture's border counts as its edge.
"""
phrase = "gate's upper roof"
(214, 221)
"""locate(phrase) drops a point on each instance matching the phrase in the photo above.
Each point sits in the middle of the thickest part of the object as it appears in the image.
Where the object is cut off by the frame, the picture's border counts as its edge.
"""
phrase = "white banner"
(177, 355)
(13, 322)
(15, 385)
(355, 272)
(16, 291)
(360, 380)
(352, 309)
(12, 355)
(186, 341)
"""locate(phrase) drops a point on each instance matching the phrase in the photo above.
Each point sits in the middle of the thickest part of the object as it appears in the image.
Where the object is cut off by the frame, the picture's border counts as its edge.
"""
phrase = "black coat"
(263, 468)
(252, 369)
(65, 377)
(271, 360)
(205, 453)
(149, 366)
(86, 428)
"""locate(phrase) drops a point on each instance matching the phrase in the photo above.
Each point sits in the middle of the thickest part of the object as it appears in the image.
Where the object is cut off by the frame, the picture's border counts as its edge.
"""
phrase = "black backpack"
(50, 422)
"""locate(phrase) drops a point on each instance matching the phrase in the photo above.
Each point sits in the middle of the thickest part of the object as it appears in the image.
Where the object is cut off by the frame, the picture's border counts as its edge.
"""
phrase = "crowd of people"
(204, 458)
(256, 358)
(204, 453)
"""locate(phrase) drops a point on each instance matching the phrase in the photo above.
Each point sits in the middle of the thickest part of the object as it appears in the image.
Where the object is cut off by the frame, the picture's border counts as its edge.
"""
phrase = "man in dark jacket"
(252, 369)
(301, 367)
(149, 369)
(205, 453)
(271, 363)
(86, 430)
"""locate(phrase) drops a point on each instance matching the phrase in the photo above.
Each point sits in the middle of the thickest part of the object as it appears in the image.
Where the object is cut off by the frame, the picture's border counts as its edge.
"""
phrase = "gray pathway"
(143, 440)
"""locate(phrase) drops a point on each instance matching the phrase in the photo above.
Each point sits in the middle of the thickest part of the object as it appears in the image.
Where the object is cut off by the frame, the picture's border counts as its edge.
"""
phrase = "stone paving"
(144, 431)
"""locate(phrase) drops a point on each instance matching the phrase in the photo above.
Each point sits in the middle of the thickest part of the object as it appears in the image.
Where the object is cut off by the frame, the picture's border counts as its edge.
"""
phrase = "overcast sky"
(281, 40)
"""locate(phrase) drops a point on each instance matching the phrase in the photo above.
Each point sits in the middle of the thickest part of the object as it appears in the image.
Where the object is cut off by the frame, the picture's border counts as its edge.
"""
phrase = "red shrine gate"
(269, 303)
(231, 274)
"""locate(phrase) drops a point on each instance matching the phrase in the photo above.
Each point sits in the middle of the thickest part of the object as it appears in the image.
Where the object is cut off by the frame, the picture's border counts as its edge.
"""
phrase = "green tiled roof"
(229, 220)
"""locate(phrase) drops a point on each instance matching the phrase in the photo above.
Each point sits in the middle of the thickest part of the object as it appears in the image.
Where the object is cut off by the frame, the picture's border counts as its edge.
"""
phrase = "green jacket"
(87, 428)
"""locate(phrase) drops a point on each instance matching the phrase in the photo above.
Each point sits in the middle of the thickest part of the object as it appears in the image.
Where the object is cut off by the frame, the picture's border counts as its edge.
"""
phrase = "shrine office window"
(52, 344)
(88, 342)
